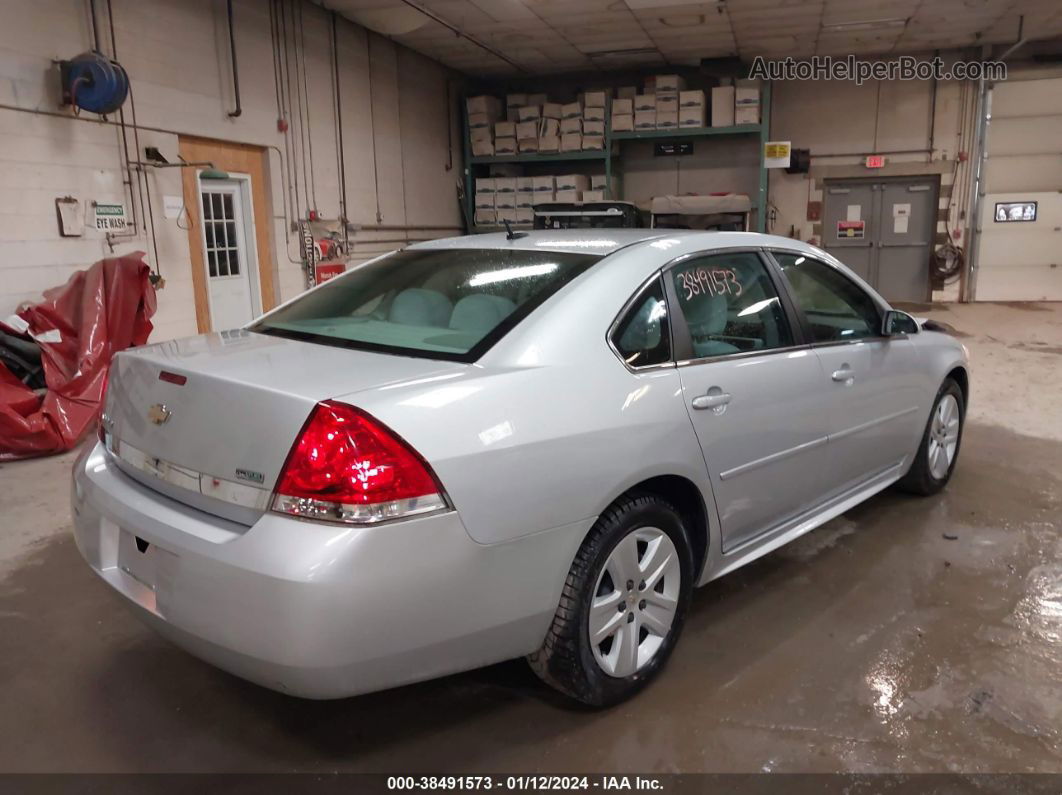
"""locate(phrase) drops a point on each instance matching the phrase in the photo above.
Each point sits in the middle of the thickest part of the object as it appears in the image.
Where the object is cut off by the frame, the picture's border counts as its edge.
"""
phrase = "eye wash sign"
(110, 217)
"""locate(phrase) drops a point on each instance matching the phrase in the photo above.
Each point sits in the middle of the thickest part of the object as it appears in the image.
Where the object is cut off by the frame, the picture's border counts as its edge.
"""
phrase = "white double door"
(229, 253)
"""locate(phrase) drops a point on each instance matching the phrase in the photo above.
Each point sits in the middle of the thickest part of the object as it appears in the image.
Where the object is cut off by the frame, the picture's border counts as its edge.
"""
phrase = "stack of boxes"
(666, 104)
(483, 113)
(501, 199)
(531, 124)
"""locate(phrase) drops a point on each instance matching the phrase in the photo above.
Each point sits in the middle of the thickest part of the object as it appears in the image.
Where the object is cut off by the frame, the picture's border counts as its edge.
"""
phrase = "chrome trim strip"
(189, 479)
(770, 459)
(727, 357)
(866, 425)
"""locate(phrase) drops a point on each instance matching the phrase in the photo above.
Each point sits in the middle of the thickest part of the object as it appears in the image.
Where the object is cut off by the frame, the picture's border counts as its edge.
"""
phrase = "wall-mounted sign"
(875, 161)
(666, 148)
(776, 154)
(851, 230)
(326, 271)
(1007, 212)
(110, 217)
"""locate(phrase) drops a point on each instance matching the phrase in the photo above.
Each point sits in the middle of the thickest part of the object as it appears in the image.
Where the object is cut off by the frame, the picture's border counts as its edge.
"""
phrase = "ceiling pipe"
(436, 18)
(1021, 42)
(235, 67)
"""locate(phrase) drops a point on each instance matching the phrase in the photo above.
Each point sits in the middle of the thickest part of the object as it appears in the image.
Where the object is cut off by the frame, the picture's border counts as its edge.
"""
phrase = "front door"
(874, 400)
(231, 286)
(883, 230)
(754, 396)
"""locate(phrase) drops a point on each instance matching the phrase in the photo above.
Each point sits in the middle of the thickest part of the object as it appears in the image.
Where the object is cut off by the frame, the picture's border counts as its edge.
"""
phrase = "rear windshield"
(436, 303)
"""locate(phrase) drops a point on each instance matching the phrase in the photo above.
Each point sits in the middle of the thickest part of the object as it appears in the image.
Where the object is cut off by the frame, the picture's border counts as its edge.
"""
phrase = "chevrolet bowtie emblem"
(158, 413)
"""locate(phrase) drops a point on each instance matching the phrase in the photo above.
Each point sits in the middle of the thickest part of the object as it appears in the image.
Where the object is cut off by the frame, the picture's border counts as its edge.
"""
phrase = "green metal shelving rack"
(611, 152)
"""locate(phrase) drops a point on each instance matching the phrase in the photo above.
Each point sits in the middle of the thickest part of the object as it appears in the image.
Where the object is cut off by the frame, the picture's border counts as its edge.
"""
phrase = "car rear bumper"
(312, 609)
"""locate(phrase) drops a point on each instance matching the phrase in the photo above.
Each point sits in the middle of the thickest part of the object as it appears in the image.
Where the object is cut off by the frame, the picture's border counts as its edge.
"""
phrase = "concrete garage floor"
(875, 643)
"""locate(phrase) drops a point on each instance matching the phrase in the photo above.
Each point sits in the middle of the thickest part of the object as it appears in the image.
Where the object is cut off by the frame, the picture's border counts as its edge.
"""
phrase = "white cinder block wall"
(177, 55)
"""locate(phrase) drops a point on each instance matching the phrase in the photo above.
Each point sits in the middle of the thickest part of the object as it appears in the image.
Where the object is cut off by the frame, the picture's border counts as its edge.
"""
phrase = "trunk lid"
(215, 429)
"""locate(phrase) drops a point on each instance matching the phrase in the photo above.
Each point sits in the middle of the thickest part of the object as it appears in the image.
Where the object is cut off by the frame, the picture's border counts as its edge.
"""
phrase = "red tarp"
(79, 327)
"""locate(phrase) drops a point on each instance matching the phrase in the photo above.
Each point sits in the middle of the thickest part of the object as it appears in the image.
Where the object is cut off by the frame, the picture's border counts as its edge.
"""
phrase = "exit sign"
(875, 161)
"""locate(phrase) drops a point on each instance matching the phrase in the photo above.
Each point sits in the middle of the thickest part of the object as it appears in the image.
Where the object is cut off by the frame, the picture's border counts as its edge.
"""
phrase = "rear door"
(752, 390)
(872, 396)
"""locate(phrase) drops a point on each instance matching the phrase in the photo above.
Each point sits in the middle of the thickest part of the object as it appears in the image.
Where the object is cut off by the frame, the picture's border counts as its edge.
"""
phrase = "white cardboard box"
(747, 106)
(549, 143)
(480, 134)
(692, 116)
(527, 145)
(593, 113)
(505, 184)
(593, 195)
(485, 216)
(573, 110)
(543, 196)
(598, 182)
(666, 120)
(571, 142)
(525, 198)
(689, 99)
(488, 105)
(548, 127)
(504, 129)
(482, 148)
(568, 126)
(572, 182)
(623, 122)
(505, 146)
(525, 216)
(622, 106)
(644, 120)
(526, 130)
(544, 183)
(645, 102)
(595, 99)
(484, 201)
(508, 214)
(505, 201)
(552, 110)
(484, 185)
(480, 120)
(669, 84)
(529, 113)
(569, 196)
(524, 184)
(667, 102)
(593, 141)
(593, 128)
(747, 115)
(722, 106)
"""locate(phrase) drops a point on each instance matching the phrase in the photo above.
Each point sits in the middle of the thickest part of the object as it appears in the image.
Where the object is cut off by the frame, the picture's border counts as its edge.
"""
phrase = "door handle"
(844, 375)
(713, 401)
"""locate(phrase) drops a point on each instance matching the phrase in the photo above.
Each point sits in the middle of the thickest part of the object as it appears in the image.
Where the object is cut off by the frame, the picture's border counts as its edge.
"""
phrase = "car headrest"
(480, 312)
(706, 314)
(417, 306)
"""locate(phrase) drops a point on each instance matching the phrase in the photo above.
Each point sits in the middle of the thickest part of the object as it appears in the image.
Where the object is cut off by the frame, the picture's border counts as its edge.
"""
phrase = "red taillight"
(347, 466)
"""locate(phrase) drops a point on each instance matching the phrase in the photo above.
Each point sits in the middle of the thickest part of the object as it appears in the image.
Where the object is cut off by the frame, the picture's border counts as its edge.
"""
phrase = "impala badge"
(158, 413)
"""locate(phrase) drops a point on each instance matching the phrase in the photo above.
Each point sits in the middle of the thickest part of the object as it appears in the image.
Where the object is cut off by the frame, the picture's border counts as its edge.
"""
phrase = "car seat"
(416, 306)
(480, 312)
(706, 316)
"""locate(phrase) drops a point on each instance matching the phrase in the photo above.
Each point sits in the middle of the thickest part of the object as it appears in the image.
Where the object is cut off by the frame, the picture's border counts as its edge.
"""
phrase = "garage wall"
(1023, 261)
(397, 133)
(842, 122)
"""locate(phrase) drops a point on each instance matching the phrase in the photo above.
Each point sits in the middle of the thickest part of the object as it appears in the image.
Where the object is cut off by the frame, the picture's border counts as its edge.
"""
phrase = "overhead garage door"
(1022, 259)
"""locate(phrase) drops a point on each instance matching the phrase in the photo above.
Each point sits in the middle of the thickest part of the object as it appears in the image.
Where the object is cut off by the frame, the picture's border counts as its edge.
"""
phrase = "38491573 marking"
(709, 281)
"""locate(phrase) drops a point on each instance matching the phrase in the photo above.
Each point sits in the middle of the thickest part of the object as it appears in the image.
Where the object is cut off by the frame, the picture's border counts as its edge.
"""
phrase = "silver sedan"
(499, 446)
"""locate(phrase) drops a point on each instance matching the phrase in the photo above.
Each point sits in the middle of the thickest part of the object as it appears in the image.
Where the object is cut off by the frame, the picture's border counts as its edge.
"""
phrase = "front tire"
(935, 460)
(623, 604)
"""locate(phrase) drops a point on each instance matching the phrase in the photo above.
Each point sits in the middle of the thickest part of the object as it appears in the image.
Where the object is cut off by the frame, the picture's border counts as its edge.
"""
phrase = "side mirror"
(897, 322)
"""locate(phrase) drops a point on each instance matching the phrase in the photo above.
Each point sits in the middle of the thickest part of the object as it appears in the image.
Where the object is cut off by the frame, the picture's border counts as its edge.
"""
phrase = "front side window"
(835, 306)
(437, 303)
(730, 305)
(643, 337)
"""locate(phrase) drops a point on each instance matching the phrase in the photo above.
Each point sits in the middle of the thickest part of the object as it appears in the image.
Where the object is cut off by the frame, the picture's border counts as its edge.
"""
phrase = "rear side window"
(643, 336)
(437, 303)
(835, 307)
(730, 305)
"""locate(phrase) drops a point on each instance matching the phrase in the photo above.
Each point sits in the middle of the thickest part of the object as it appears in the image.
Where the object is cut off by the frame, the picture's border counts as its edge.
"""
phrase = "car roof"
(606, 241)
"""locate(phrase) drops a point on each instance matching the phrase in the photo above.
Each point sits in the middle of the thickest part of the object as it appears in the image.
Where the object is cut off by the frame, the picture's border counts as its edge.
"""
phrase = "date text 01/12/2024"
(520, 783)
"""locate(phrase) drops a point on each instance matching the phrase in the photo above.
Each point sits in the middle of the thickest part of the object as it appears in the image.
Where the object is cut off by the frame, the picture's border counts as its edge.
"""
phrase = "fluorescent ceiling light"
(640, 4)
(870, 24)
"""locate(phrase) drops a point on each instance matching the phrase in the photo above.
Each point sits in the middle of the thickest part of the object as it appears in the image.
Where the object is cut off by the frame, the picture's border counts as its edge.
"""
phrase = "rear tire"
(939, 451)
(630, 585)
